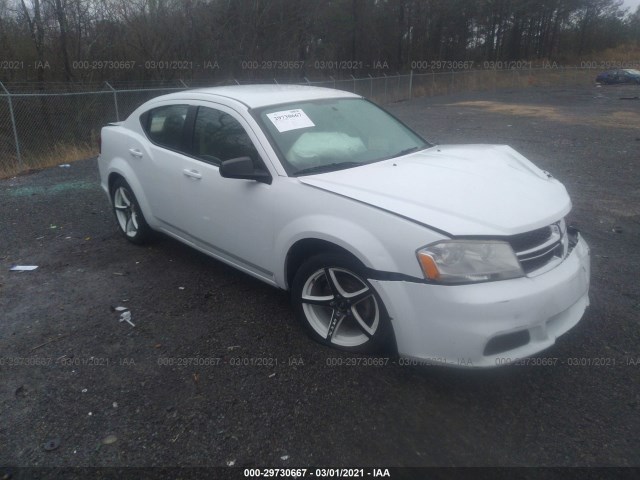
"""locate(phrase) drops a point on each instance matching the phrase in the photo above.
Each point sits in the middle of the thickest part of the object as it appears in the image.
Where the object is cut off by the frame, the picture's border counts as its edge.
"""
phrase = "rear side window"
(165, 125)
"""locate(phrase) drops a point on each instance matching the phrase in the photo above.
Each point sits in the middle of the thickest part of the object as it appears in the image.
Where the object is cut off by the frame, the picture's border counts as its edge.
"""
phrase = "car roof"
(256, 96)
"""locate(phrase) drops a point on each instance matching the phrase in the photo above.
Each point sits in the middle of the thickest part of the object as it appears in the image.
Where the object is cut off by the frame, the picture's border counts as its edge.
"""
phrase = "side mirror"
(242, 168)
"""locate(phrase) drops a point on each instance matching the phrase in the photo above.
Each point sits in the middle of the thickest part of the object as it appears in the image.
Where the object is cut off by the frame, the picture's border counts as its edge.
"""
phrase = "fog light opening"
(509, 341)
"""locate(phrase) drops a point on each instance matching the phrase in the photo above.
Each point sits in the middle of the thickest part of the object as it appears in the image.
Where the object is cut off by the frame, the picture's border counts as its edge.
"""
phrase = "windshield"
(331, 134)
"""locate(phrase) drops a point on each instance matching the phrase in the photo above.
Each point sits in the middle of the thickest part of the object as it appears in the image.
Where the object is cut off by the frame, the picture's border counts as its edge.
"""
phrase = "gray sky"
(632, 3)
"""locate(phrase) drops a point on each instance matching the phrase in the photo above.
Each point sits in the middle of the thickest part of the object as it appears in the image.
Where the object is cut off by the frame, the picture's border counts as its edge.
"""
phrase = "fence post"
(410, 84)
(385, 87)
(13, 124)
(115, 100)
(354, 83)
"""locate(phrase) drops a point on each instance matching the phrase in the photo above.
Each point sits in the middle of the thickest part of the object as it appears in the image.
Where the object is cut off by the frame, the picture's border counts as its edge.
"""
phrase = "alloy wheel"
(340, 307)
(125, 212)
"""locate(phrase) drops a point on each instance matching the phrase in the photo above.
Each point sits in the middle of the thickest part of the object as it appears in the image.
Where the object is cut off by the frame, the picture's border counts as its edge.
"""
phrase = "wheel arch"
(122, 170)
(313, 234)
(306, 248)
(113, 176)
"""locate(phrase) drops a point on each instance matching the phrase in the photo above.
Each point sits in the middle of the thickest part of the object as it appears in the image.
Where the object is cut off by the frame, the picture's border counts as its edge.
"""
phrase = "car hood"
(458, 189)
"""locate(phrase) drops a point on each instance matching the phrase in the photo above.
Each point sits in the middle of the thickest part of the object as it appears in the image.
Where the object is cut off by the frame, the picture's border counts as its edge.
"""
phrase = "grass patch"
(628, 53)
(621, 120)
(33, 161)
(447, 83)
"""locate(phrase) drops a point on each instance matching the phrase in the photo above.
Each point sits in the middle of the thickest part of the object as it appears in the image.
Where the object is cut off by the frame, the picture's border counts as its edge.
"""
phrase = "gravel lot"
(70, 371)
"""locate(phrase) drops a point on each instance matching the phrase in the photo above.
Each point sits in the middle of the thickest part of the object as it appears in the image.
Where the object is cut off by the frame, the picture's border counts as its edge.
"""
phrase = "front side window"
(325, 135)
(165, 125)
(217, 136)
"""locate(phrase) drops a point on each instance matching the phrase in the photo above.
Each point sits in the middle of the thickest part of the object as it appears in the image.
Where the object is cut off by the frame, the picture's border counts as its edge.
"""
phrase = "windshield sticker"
(290, 120)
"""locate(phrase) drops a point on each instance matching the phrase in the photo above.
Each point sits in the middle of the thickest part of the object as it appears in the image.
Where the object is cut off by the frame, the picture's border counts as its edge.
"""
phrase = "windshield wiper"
(328, 167)
(407, 151)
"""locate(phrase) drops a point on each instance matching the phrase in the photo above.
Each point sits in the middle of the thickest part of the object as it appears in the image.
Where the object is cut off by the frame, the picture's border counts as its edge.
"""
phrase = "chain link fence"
(39, 129)
(43, 129)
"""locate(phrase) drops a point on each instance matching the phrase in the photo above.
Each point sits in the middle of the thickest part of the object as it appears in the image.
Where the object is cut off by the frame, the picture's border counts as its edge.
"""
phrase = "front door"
(232, 219)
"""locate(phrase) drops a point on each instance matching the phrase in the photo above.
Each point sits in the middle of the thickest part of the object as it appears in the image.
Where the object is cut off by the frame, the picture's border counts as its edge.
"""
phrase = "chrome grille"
(528, 240)
(539, 248)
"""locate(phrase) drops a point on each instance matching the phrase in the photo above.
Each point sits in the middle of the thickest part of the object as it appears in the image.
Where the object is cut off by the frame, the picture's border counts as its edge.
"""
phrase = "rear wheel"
(131, 222)
(337, 305)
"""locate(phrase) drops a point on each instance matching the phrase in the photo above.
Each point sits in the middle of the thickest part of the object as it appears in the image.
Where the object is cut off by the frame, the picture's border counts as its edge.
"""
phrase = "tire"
(130, 220)
(338, 307)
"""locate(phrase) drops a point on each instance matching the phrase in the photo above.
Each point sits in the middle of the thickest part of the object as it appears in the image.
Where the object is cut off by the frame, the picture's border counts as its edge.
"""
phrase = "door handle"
(192, 173)
(135, 152)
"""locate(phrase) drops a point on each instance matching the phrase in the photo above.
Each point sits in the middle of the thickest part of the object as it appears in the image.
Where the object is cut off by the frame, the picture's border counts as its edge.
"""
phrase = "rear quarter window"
(165, 125)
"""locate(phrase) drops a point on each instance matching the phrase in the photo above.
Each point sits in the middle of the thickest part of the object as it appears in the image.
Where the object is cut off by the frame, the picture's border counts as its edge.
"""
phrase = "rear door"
(165, 127)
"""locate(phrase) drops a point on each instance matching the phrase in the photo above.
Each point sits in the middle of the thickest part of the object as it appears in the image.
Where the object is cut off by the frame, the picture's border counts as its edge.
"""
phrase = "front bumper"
(488, 324)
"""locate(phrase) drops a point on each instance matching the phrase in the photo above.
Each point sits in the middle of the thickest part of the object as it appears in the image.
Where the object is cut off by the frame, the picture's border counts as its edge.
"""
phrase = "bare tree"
(36, 29)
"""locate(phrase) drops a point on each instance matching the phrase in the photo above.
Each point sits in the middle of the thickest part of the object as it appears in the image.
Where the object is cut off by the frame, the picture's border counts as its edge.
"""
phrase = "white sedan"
(451, 254)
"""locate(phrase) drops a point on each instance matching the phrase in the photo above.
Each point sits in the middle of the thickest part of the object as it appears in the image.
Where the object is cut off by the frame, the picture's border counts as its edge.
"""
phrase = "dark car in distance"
(625, 75)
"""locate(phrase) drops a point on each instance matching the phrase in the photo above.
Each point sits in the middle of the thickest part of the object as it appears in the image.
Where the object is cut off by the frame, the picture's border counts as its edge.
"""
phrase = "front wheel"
(337, 305)
(128, 214)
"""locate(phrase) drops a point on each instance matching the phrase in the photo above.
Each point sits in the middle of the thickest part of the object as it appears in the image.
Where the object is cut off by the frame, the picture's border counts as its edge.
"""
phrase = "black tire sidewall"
(383, 338)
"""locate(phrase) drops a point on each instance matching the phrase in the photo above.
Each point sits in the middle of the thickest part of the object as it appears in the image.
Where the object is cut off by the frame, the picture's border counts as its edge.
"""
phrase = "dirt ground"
(80, 388)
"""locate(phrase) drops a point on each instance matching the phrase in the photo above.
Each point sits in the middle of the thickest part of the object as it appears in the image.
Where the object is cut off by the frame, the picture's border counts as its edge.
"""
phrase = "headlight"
(462, 261)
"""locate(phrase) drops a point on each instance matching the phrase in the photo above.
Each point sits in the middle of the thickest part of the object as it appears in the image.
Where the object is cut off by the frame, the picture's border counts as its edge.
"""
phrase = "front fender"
(350, 236)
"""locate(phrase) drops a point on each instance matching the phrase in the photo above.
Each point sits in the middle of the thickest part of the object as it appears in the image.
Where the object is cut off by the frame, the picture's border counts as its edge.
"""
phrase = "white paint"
(382, 213)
